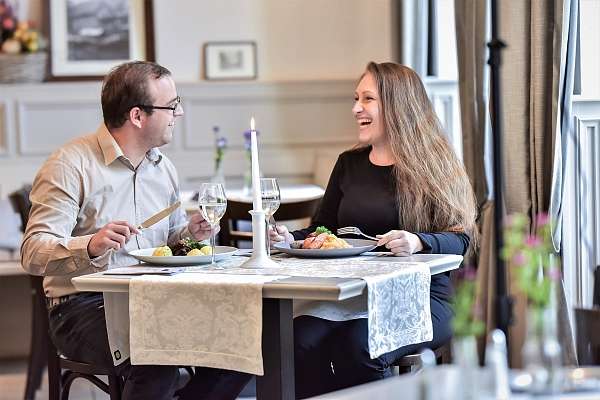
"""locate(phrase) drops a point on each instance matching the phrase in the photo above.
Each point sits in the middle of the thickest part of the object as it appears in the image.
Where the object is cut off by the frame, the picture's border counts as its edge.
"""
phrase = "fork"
(352, 230)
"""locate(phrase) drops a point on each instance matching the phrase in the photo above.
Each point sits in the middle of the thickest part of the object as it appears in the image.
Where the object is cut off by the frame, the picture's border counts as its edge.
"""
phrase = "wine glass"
(271, 198)
(212, 203)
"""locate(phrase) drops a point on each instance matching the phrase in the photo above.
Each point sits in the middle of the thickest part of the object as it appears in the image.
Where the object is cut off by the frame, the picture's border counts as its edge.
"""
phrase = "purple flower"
(543, 219)
(519, 259)
(554, 274)
(533, 241)
(221, 142)
(470, 273)
(247, 135)
(467, 273)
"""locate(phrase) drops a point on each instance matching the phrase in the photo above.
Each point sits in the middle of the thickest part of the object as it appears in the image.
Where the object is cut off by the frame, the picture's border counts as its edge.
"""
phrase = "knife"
(159, 215)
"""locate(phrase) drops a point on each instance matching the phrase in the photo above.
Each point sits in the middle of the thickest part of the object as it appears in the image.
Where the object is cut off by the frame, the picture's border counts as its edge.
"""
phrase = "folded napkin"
(209, 320)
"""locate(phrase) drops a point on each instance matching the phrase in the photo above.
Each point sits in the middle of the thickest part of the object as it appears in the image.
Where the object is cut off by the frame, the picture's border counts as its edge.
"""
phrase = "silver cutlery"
(352, 230)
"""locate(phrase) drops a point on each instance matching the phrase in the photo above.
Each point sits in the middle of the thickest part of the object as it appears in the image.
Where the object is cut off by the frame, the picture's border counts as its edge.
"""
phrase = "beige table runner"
(192, 319)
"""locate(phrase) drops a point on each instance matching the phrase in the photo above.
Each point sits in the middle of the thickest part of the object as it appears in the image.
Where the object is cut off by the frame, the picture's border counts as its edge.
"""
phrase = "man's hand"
(113, 235)
(200, 228)
(401, 243)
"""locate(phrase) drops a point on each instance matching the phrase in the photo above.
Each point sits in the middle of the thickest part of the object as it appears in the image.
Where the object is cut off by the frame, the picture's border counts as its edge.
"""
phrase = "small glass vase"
(541, 351)
(465, 356)
(219, 175)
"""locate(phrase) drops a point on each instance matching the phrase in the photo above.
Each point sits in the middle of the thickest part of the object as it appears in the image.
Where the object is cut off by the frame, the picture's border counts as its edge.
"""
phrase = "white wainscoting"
(581, 204)
(299, 123)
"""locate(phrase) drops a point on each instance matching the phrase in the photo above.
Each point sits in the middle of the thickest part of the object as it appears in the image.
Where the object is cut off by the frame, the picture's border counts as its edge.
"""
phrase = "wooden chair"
(230, 235)
(61, 371)
(412, 362)
(587, 326)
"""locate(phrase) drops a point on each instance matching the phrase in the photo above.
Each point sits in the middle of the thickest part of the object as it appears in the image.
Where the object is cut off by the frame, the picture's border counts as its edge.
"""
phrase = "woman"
(405, 180)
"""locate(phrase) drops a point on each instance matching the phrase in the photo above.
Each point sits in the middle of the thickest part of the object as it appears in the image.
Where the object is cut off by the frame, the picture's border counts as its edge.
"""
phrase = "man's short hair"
(125, 87)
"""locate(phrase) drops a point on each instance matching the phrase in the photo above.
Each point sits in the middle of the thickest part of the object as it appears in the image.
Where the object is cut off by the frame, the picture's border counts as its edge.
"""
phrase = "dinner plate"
(359, 246)
(221, 252)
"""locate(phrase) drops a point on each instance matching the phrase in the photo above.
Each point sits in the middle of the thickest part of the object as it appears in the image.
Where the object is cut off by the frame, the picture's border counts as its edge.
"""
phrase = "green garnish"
(192, 243)
(322, 229)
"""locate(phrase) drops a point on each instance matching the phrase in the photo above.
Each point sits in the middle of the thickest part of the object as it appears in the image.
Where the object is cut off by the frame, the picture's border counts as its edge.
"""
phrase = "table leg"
(278, 352)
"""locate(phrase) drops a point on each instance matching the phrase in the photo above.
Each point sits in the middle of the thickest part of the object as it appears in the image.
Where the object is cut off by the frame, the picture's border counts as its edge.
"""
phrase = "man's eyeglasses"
(177, 108)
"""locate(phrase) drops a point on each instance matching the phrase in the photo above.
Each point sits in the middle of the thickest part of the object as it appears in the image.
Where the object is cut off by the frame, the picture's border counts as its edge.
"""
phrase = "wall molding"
(581, 204)
(299, 124)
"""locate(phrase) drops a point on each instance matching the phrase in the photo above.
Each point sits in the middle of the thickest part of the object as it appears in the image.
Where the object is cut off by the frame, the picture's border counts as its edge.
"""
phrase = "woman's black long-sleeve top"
(361, 194)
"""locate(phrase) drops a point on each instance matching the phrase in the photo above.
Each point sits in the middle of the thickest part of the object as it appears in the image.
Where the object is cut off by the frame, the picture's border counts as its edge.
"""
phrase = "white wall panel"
(581, 206)
(300, 124)
(45, 124)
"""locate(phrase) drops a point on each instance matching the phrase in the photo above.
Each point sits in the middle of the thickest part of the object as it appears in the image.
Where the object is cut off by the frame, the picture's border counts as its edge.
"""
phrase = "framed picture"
(89, 37)
(230, 60)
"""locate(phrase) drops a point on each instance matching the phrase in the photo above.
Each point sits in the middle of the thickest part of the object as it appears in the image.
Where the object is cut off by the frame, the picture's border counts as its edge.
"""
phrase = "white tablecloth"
(397, 299)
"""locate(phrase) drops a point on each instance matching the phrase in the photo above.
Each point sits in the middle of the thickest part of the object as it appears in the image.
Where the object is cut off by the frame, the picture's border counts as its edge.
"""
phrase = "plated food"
(323, 239)
(323, 244)
(185, 247)
(186, 252)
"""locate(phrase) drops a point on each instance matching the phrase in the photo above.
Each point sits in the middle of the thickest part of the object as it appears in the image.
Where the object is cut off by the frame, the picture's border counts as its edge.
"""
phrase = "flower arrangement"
(17, 37)
(248, 171)
(466, 320)
(220, 147)
(532, 254)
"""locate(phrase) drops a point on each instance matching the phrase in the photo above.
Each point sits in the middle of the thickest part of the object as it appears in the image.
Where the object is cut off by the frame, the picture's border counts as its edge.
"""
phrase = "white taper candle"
(256, 199)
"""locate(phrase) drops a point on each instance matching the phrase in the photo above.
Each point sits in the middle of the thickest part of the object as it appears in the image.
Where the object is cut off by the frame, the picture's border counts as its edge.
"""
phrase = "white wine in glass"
(212, 203)
(271, 199)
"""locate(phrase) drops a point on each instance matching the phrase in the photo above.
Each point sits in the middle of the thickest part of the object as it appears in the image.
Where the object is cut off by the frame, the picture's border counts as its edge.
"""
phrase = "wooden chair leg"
(37, 352)
(54, 373)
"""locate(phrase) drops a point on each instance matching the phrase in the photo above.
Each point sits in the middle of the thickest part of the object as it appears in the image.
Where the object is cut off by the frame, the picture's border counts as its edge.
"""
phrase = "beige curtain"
(529, 77)
(471, 43)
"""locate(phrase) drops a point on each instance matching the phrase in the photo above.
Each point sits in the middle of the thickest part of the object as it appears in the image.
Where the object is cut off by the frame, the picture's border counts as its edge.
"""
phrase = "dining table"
(278, 297)
(289, 193)
(448, 382)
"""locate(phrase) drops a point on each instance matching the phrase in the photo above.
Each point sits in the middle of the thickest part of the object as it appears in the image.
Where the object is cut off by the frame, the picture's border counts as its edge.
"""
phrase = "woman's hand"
(280, 234)
(401, 243)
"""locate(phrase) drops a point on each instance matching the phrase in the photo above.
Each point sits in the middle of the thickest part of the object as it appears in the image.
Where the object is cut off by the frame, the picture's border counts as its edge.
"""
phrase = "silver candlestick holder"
(259, 259)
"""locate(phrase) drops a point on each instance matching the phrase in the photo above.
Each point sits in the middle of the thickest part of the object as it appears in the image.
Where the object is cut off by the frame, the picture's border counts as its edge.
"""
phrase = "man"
(87, 200)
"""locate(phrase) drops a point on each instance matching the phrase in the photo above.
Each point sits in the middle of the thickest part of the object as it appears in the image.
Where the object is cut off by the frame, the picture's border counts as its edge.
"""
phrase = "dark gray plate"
(359, 246)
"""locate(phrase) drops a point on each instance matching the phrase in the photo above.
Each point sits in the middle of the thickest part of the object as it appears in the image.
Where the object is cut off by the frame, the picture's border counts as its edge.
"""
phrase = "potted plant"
(529, 251)
(466, 327)
(220, 147)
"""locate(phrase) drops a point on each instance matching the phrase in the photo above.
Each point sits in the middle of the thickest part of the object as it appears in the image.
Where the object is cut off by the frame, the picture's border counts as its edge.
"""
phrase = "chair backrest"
(596, 295)
(587, 326)
(238, 211)
(21, 203)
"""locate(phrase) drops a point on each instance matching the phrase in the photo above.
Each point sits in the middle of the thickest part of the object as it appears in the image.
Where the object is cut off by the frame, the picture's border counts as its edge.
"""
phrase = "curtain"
(532, 30)
(529, 84)
(568, 84)
(472, 35)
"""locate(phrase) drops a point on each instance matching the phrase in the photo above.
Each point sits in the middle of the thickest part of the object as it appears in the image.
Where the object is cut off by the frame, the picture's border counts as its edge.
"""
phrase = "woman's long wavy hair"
(433, 191)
